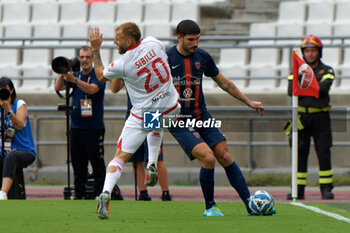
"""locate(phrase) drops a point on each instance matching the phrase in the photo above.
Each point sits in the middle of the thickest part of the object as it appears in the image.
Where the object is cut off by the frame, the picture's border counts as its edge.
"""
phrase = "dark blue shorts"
(142, 153)
(190, 137)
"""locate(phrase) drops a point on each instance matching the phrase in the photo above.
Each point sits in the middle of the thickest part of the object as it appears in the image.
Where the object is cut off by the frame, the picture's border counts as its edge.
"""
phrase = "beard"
(189, 50)
(122, 50)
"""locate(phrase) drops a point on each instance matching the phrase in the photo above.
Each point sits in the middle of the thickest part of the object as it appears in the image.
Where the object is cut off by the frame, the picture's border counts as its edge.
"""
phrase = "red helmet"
(311, 41)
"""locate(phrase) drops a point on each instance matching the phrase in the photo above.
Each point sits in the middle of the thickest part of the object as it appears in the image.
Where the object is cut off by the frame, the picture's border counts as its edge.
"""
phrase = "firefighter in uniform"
(315, 120)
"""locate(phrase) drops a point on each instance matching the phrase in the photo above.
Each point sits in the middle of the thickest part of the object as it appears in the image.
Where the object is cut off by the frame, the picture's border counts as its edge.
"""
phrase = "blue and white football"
(261, 203)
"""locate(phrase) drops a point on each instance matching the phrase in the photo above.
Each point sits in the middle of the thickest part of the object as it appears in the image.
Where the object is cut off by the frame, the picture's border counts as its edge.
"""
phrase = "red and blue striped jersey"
(187, 73)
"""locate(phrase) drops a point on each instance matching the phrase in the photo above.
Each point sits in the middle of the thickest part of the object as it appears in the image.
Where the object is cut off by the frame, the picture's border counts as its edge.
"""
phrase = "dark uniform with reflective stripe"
(315, 119)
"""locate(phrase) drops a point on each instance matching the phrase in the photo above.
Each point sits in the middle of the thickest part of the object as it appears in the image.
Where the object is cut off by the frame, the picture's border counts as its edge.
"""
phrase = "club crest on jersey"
(187, 93)
(198, 65)
(152, 120)
(196, 134)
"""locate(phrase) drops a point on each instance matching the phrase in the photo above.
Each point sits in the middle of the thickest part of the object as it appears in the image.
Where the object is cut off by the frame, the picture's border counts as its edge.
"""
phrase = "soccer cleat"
(151, 176)
(3, 195)
(213, 211)
(272, 212)
(103, 206)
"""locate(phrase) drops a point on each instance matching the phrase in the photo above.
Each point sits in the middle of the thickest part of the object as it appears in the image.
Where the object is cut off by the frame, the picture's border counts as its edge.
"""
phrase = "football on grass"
(261, 202)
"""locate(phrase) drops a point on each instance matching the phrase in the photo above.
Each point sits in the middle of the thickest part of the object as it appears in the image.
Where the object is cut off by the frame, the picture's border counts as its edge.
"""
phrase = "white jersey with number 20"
(146, 74)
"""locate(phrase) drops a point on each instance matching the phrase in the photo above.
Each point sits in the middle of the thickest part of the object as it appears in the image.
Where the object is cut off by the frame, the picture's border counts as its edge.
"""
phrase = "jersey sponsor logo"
(181, 81)
(160, 95)
(187, 93)
(151, 120)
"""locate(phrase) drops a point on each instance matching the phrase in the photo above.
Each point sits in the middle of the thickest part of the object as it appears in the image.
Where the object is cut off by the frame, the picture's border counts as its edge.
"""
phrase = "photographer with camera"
(19, 149)
(87, 125)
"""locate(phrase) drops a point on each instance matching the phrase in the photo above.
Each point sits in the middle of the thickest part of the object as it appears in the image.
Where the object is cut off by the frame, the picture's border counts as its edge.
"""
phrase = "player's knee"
(208, 161)
(224, 158)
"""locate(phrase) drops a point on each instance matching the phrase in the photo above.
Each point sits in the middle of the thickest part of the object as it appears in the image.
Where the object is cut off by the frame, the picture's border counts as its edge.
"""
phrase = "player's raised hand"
(95, 38)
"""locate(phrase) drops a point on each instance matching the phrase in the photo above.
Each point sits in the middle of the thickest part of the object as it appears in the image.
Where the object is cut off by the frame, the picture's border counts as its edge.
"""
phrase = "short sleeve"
(212, 70)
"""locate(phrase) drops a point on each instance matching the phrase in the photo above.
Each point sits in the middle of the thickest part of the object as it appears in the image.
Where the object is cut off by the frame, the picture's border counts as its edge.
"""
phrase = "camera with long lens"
(4, 94)
(61, 65)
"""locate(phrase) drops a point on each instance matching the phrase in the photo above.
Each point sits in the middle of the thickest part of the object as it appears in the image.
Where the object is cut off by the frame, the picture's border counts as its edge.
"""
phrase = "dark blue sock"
(236, 178)
(206, 178)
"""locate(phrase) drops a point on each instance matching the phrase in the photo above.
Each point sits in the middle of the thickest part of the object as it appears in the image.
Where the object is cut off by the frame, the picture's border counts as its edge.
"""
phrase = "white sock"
(3, 195)
(112, 177)
(154, 140)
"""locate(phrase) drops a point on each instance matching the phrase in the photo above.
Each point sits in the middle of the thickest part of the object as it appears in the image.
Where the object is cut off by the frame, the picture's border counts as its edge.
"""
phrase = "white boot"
(3, 195)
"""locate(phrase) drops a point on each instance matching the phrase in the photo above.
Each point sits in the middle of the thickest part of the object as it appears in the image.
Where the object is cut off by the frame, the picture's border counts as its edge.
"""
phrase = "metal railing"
(220, 113)
(208, 42)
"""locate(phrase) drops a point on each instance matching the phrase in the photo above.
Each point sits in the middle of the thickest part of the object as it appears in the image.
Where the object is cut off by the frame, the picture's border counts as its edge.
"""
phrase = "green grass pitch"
(39, 216)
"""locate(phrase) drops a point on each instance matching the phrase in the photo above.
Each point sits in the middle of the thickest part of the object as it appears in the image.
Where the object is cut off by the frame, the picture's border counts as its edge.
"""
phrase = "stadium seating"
(75, 31)
(237, 74)
(190, 10)
(156, 13)
(344, 83)
(127, 12)
(293, 12)
(102, 13)
(262, 30)
(9, 58)
(267, 79)
(14, 13)
(11, 72)
(320, 12)
(332, 56)
(73, 18)
(45, 10)
(342, 12)
(108, 31)
(17, 31)
(73, 12)
(35, 84)
(41, 31)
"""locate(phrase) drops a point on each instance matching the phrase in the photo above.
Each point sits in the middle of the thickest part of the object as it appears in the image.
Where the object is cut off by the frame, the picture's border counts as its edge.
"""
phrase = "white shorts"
(133, 133)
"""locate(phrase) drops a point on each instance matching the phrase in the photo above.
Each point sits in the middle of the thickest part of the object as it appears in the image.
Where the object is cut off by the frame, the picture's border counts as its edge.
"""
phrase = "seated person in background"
(20, 151)
(141, 155)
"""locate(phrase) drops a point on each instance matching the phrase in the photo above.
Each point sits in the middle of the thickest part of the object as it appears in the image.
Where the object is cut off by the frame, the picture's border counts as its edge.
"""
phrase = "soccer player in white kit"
(146, 75)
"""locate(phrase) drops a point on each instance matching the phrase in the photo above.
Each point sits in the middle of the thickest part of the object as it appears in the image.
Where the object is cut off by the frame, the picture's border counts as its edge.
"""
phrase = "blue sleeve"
(100, 85)
(212, 70)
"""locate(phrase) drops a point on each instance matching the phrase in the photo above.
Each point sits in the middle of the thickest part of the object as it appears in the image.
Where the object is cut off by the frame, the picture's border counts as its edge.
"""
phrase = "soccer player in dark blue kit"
(188, 64)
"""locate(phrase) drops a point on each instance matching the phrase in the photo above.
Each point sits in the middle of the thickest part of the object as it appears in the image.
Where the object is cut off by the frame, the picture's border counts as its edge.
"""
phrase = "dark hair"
(4, 81)
(85, 48)
(187, 27)
(130, 29)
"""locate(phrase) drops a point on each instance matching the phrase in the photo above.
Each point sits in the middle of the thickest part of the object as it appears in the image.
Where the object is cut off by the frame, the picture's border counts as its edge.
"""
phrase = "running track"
(312, 194)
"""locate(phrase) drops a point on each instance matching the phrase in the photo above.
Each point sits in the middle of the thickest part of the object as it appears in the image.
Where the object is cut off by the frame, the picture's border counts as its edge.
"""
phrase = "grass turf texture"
(129, 216)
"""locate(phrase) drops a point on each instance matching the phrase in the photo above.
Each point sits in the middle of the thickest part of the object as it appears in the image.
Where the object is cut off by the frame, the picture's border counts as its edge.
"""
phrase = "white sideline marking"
(317, 210)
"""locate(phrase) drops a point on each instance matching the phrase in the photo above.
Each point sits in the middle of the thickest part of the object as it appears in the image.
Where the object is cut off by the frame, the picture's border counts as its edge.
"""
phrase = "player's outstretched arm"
(95, 42)
(228, 86)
